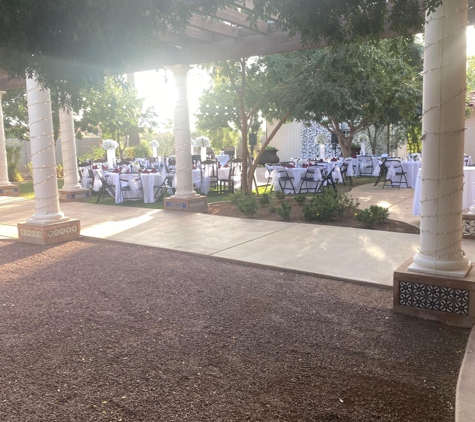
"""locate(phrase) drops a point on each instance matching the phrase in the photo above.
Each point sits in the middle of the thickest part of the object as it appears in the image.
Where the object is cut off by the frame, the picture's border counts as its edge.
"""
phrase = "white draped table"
(298, 173)
(468, 190)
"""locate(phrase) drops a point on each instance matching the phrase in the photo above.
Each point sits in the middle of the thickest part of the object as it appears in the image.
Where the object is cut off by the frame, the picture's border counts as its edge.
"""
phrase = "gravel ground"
(100, 331)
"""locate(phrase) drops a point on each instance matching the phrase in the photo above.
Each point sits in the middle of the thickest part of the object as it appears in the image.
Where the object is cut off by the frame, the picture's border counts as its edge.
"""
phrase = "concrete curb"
(465, 395)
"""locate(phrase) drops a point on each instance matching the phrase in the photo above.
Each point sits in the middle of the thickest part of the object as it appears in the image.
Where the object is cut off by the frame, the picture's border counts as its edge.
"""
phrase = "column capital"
(180, 69)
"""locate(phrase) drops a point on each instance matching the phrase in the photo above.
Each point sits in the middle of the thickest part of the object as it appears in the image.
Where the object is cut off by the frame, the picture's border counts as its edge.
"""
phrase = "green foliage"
(59, 170)
(114, 111)
(234, 198)
(248, 205)
(300, 199)
(328, 207)
(471, 74)
(284, 211)
(143, 150)
(280, 195)
(13, 156)
(264, 199)
(95, 153)
(372, 215)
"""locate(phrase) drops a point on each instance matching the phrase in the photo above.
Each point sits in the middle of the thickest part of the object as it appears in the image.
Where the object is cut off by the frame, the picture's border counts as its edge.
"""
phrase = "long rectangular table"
(468, 190)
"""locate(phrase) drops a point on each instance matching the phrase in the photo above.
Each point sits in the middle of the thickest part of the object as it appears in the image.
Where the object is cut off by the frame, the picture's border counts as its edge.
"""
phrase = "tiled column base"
(196, 204)
(448, 300)
(10, 190)
(49, 233)
(468, 226)
(71, 195)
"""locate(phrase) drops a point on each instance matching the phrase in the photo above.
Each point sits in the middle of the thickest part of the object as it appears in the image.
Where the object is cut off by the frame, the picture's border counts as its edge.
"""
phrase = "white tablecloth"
(222, 159)
(468, 190)
(148, 182)
(297, 174)
(410, 168)
(357, 165)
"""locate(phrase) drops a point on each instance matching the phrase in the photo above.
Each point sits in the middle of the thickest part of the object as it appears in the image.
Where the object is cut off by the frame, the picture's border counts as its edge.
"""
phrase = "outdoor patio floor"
(357, 255)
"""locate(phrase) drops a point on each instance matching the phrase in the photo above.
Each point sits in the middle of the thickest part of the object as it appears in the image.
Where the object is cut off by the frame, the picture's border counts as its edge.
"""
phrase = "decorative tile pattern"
(9, 190)
(31, 233)
(434, 298)
(62, 230)
(468, 228)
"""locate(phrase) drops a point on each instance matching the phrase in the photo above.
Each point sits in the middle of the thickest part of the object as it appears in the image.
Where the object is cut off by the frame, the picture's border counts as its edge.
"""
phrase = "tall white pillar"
(184, 188)
(68, 149)
(42, 156)
(443, 125)
(3, 151)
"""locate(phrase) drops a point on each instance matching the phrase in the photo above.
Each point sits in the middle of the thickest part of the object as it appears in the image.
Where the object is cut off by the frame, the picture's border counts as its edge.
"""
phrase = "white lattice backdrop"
(310, 149)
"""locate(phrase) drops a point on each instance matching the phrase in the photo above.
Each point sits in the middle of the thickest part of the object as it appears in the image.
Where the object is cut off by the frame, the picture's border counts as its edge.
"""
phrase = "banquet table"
(297, 173)
(149, 180)
(222, 159)
(410, 168)
(468, 196)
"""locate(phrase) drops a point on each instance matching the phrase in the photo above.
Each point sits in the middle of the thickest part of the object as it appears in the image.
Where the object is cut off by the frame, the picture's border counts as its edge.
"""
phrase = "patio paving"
(357, 255)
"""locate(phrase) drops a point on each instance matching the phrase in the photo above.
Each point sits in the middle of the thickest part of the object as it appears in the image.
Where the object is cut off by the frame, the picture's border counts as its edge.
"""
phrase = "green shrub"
(248, 205)
(279, 194)
(234, 198)
(284, 211)
(264, 200)
(59, 170)
(328, 207)
(143, 150)
(96, 153)
(374, 215)
(13, 156)
(300, 199)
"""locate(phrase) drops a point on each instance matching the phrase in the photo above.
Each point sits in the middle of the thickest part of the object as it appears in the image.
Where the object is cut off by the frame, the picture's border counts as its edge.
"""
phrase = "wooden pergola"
(228, 34)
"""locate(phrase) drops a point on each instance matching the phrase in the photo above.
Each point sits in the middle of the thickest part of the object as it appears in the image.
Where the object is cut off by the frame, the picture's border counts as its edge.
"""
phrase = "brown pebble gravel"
(93, 330)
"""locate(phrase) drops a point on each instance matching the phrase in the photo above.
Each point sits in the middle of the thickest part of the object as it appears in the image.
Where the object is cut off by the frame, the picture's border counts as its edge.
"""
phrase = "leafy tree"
(113, 111)
(318, 20)
(70, 44)
(361, 85)
(15, 113)
(245, 91)
(471, 74)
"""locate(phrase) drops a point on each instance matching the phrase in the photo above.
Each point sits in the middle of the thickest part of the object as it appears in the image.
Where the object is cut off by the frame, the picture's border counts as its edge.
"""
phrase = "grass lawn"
(26, 188)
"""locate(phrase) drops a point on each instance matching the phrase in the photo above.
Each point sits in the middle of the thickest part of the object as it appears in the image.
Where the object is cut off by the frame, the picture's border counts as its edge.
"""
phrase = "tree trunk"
(264, 145)
(345, 144)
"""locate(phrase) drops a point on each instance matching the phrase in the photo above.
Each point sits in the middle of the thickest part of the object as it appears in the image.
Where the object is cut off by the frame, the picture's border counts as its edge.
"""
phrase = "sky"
(158, 89)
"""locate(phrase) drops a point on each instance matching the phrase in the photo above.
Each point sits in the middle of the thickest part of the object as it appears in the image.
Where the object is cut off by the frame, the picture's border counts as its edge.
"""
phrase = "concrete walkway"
(357, 255)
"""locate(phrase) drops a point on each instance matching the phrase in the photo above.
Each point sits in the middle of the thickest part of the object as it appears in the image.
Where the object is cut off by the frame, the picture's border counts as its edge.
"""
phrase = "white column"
(42, 156)
(68, 149)
(184, 188)
(3, 150)
(443, 125)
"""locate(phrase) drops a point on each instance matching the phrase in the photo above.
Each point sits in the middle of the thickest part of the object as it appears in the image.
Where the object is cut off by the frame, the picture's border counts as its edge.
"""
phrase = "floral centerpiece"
(109, 144)
(321, 139)
(363, 138)
(154, 144)
(201, 142)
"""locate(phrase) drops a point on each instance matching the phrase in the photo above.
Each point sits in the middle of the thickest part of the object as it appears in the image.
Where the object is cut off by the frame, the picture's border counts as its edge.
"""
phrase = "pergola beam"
(241, 19)
(211, 25)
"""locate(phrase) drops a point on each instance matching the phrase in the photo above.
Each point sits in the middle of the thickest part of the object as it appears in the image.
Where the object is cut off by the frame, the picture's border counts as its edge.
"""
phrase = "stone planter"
(269, 156)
